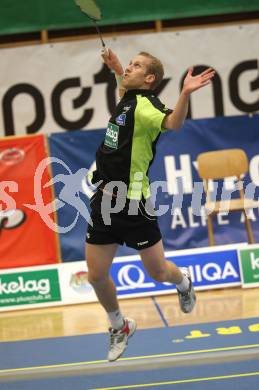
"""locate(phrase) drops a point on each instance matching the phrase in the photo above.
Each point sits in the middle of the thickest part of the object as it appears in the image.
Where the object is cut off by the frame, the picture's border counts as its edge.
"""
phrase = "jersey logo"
(126, 108)
(112, 136)
(121, 119)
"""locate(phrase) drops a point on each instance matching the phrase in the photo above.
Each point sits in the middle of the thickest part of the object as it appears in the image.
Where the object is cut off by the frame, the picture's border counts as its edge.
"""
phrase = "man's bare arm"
(113, 63)
(176, 119)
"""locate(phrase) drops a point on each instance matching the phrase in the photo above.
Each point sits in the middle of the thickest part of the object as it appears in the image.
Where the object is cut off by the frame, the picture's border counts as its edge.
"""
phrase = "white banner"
(67, 283)
(56, 87)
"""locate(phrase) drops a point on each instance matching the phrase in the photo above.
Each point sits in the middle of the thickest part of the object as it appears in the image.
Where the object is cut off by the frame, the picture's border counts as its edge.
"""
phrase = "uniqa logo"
(131, 276)
(41, 286)
(212, 272)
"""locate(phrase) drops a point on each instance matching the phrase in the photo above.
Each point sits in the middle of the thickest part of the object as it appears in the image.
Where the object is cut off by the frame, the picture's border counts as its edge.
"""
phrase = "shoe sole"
(191, 309)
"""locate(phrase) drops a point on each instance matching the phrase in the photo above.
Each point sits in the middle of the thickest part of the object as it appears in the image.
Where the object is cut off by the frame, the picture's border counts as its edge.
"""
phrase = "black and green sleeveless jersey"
(129, 145)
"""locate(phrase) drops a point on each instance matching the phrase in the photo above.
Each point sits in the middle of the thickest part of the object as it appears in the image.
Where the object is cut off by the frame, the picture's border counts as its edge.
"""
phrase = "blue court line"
(160, 311)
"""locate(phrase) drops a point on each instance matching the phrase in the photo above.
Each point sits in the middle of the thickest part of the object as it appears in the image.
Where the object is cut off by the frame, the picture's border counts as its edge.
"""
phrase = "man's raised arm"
(191, 83)
(113, 63)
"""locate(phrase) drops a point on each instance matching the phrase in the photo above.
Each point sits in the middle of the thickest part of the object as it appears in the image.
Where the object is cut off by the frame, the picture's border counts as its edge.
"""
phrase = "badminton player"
(124, 157)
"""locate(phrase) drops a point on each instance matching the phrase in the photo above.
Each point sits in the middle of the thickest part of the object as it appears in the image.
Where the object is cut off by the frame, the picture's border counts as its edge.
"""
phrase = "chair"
(219, 165)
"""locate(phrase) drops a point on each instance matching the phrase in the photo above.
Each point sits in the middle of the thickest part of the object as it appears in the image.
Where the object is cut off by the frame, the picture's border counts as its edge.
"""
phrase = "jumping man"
(123, 159)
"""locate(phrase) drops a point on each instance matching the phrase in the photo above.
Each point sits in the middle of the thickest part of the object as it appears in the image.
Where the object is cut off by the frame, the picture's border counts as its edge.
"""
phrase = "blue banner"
(175, 164)
(74, 154)
(174, 175)
(210, 269)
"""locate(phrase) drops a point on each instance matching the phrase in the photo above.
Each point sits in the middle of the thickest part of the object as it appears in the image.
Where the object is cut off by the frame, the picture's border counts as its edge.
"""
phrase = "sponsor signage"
(112, 136)
(25, 197)
(26, 288)
(176, 187)
(209, 268)
(249, 266)
(67, 283)
(85, 98)
(75, 288)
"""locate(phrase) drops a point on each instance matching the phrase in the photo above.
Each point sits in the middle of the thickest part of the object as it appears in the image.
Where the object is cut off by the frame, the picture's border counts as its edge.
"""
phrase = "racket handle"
(105, 51)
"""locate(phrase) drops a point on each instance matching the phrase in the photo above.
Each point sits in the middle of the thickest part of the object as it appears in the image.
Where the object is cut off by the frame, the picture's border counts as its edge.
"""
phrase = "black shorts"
(138, 231)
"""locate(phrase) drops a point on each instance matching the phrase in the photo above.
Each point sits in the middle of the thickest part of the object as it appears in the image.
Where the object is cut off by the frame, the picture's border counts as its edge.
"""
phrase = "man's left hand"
(192, 83)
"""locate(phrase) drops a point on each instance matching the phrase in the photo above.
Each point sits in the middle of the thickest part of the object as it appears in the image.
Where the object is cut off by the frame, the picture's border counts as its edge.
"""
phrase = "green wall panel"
(34, 15)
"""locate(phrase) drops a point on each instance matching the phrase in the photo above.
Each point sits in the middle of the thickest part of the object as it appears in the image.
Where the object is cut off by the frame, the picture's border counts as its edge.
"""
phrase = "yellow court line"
(192, 352)
(237, 347)
(213, 378)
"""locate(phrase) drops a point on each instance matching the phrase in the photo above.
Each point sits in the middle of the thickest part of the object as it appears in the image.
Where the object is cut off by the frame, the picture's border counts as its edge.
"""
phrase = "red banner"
(25, 239)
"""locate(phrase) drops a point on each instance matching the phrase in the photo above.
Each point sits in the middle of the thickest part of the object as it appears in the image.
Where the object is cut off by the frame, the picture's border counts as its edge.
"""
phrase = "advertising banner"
(65, 86)
(28, 288)
(74, 284)
(25, 239)
(180, 191)
(67, 283)
(249, 266)
(32, 186)
(72, 157)
(176, 187)
(210, 268)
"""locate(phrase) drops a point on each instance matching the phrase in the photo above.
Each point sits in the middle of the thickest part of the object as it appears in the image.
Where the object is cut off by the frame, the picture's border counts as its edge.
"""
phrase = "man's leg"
(163, 270)
(99, 259)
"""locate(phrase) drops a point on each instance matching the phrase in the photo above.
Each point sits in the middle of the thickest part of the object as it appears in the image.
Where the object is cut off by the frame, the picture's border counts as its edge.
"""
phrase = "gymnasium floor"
(216, 346)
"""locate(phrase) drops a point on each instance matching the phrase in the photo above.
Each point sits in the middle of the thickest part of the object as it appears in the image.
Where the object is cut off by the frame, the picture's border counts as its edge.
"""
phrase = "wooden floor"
(216, 305)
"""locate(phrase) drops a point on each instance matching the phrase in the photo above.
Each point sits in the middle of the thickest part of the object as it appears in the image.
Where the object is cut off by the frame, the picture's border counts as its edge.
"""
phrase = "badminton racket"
(90, 8)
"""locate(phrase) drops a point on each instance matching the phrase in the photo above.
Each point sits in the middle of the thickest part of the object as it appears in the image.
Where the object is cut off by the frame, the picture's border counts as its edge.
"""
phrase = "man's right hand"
(112, 61)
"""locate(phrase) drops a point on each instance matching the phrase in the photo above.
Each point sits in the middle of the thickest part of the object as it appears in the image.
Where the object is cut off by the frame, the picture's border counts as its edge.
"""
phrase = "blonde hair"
(155, 67)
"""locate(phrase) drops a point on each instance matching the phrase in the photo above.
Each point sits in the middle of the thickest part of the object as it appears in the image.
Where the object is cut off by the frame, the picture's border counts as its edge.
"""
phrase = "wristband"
(118, 79)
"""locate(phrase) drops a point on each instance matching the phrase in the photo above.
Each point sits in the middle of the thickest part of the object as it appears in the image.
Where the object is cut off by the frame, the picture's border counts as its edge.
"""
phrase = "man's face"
(135, 75)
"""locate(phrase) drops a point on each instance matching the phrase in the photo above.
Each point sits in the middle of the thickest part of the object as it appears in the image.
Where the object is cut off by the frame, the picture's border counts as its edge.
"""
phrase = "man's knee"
(97, 279)
(159, 275)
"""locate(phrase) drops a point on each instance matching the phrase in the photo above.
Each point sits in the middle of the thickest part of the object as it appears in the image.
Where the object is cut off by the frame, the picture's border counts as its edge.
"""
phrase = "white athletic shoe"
(119, 339)
(187, 299)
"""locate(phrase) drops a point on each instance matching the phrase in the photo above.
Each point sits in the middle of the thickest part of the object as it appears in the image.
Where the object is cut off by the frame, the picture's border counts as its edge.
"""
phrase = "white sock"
(116, 319)
(184, 285)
